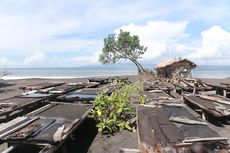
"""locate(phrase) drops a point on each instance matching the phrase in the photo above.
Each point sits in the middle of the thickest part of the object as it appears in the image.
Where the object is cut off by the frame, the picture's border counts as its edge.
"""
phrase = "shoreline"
(62, 77)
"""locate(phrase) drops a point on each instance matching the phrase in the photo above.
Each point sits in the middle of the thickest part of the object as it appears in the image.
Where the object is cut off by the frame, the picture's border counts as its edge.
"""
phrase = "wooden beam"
(205, 139)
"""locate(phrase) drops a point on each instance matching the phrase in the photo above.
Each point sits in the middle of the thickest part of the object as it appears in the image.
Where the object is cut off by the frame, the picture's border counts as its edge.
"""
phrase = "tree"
(125, 47)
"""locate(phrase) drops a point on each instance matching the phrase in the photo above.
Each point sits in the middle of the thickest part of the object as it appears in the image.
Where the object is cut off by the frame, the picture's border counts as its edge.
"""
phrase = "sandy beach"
(86, 138)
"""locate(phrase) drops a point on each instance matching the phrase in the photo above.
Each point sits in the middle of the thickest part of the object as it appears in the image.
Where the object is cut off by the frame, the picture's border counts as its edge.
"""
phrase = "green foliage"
(124, 46)
(114, 112)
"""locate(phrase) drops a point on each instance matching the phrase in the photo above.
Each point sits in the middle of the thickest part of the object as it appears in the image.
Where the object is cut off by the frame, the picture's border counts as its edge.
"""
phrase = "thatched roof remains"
(175, 63)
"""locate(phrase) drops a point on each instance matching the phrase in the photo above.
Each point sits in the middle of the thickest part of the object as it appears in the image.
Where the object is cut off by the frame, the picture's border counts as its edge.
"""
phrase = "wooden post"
(224, 93)
(194, 91)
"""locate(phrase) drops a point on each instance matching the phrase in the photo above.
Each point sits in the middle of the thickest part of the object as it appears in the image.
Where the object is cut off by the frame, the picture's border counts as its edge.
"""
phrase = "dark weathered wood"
(170, 133)
(209, 106)
(19, 106)
(41, 85)
(164, 132)
(70, 112)
(175, 95)
(146, 135)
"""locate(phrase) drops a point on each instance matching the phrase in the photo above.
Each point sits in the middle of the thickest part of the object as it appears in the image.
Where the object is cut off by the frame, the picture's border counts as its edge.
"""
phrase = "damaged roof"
(169, 63)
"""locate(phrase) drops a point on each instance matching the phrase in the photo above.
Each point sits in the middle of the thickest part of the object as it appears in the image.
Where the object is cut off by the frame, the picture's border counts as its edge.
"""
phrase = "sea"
(202, 71)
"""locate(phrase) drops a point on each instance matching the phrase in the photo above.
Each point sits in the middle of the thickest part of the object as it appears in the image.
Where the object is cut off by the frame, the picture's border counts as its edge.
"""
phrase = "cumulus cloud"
(215, 44)
(166, 39)
(34, 58)
(86, 60)
(78, 26)
(158, 36)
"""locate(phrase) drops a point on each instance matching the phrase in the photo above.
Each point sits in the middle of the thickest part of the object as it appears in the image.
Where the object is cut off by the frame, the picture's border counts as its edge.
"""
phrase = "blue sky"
(69, 33)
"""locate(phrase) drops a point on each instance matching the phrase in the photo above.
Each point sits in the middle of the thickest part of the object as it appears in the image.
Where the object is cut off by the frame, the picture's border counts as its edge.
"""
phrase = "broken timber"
(16, 106)
(158, 133)
(46, 128)
(213, 105)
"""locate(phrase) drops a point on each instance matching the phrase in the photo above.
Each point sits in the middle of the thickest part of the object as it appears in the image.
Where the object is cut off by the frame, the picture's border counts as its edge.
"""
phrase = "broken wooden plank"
(216, 99)
(10, 149)
(185, 120)
(18, 127)
(192, 140)
(4, 126)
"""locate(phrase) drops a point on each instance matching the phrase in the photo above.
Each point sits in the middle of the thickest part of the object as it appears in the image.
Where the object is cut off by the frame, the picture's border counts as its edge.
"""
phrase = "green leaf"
(119, 110)
(128, 127)
(99, 112)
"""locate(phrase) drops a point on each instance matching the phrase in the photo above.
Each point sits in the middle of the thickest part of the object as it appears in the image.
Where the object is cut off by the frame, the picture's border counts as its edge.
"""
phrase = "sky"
(70, 33)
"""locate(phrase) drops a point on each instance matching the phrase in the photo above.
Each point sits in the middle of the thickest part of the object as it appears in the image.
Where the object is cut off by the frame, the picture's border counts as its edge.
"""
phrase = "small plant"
(114, 112)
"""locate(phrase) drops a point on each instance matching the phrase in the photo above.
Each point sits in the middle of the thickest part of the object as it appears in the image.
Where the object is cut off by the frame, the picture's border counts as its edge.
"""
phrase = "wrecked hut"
(180, 67)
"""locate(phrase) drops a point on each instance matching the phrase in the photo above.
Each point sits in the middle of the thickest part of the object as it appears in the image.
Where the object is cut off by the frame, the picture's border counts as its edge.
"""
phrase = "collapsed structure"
(171, 68)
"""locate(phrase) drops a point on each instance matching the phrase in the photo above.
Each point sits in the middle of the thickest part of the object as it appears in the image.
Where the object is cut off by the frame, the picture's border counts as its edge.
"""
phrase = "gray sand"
(100, 144)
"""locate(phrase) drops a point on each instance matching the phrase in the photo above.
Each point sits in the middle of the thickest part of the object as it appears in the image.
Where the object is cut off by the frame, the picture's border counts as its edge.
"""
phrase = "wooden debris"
(17, 128)
(57, 137)
(192, 140)
(185, 120)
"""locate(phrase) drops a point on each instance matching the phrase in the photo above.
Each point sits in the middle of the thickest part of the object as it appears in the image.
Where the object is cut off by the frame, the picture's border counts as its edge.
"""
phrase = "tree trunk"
(139, 69)
(138, 65)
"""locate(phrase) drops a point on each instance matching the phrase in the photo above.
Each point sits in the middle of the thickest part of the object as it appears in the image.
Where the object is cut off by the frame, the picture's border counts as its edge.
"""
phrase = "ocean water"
(212, 71)
(203, 71)
(78, 72)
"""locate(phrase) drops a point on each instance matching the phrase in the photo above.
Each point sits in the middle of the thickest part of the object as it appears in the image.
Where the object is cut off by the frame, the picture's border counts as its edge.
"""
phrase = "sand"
(86, 138)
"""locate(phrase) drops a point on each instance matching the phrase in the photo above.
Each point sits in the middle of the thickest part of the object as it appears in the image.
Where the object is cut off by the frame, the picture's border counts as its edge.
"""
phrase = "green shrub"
(114, 112)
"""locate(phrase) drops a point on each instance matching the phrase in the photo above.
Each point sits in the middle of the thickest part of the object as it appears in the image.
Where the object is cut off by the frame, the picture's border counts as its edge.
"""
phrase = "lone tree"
(125, 47)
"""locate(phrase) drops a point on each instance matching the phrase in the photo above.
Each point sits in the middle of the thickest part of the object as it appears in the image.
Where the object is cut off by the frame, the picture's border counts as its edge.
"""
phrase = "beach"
(86, 138)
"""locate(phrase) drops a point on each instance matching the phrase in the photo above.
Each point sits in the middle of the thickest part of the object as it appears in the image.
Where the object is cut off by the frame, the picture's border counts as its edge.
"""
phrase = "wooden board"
(208, 106)
(156, 132)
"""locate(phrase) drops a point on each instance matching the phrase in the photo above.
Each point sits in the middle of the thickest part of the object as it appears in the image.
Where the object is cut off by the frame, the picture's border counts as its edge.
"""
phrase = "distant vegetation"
(124, 46)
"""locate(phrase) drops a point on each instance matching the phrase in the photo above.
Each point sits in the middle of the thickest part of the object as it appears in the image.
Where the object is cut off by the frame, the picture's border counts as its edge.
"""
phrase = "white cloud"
(4, 61)
(41, 25)
(34, 58)
(158, 36)
(85, 60)
(166, 40)
(215, 44)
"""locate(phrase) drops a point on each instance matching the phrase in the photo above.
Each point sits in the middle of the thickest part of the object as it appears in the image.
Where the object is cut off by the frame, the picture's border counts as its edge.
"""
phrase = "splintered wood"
(173, 127)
